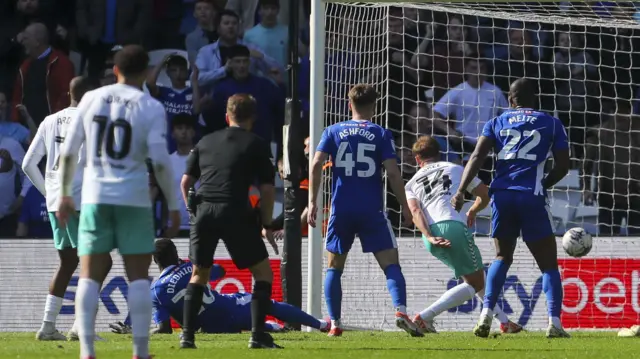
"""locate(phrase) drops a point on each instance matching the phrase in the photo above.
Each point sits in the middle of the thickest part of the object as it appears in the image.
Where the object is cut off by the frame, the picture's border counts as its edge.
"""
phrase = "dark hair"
(241, 107)
(79, 86)
(227, 12)
(275, 3)
(362, 95)
(522, 93)
(183, 119)
(132, 60)
(426, 147)
(210, 2)
(177, 60)
(239, 51)
(165, 253)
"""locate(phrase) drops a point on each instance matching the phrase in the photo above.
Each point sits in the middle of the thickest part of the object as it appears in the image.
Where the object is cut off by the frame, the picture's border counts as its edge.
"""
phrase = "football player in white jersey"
(445, 232)
(120, 126)
(47, 142)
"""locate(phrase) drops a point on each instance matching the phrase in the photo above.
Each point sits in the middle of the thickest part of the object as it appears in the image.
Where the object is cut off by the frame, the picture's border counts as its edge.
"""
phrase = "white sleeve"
(408, 189)
(37, 150)
(475, 182)
(445, 104)
(71, 147)
(157, 143)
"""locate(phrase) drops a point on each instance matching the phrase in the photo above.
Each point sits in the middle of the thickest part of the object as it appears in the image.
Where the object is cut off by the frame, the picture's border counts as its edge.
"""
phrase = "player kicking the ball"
(522, 139)
(444, 231)
(47, 142)
(359, 149)
(120, 127)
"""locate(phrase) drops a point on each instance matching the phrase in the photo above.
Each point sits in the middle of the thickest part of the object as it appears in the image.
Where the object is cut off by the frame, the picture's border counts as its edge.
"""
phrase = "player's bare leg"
(192, 303)
(496, 277)
(140, 306)
(93, 270)
(545, 253)
(333, 291)
(389, 262)
(68, 264)
(261, 305)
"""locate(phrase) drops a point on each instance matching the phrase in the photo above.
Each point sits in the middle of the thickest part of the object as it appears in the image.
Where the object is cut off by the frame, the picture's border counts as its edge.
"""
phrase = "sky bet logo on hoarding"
(598, 293)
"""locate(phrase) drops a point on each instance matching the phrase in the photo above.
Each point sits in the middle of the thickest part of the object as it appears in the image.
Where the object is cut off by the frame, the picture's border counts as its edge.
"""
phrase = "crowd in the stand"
(439, 73)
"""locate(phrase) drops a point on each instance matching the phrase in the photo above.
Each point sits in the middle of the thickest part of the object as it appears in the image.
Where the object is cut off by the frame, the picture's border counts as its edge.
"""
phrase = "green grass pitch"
(352, 345)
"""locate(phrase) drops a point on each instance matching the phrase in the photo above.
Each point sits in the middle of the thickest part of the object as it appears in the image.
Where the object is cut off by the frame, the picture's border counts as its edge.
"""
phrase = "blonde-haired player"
(445, 231)
(120, 127)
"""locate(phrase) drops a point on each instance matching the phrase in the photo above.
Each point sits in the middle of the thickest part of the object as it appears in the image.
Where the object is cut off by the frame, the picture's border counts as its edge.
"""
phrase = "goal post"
(584, 61)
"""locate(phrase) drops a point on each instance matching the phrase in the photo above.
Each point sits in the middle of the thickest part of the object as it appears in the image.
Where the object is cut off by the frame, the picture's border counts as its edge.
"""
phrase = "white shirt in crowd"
(472, 107)
(47, 142)
(121, 127)
(8, 179)
(433, 186)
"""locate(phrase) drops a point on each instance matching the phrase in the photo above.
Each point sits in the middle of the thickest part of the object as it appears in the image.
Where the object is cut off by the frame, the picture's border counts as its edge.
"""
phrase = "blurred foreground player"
(522, 138)
(120, 127)
(221, 313)
(46, 143)
(227, 163)
(445, 232)
(359, 149)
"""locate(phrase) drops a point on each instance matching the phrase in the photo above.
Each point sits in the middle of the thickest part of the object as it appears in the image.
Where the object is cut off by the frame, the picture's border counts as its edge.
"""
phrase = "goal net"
(583, 59)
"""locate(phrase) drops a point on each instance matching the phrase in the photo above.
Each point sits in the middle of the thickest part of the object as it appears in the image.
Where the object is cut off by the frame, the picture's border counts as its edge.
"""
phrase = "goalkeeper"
(220, 314)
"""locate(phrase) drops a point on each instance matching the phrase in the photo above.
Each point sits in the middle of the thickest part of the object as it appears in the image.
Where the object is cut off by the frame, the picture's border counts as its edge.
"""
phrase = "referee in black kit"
(227, 163)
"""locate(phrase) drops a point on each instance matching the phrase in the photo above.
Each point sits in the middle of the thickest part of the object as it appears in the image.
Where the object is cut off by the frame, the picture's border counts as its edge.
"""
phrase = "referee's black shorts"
(239, 230)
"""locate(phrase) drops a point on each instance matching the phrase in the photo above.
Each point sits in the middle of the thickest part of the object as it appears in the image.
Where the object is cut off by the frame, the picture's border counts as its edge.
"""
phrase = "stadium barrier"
(601, 290)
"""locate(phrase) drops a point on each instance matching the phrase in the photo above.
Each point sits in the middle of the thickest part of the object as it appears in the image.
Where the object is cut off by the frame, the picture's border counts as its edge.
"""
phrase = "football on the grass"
(577, 242)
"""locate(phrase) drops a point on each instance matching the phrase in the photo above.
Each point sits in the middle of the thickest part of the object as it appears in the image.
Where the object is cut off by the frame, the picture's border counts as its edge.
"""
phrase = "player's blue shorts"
(515, 212)
(373, 229)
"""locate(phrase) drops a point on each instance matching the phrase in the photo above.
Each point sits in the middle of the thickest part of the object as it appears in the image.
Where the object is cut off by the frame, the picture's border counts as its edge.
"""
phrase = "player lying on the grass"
(46, 143)
(444, 231)
(220, 313)
(522, 139)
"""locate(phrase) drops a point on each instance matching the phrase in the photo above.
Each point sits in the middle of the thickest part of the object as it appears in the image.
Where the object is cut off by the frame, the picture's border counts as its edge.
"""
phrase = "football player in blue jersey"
(359, 149)
(220, 313)
(522, 139)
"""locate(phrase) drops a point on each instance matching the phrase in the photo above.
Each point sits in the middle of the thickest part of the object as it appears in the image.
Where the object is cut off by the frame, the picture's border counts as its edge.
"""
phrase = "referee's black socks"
(192, 304)
(260, 304)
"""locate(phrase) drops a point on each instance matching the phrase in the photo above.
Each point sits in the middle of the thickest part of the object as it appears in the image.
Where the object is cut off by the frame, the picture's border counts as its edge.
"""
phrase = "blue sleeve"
(26, 206)
(388, 147)
(217, 272)
(560, 140)
(487, 131)
(326, 144)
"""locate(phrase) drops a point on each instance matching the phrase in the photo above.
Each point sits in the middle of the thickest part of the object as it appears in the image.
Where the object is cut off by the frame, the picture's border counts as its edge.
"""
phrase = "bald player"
(46, 143)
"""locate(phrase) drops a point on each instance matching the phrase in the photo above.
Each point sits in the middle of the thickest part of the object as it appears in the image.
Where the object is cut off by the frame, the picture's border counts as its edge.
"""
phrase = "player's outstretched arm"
(479, 155)
(35, 153)
(315, 178)
(397, 186)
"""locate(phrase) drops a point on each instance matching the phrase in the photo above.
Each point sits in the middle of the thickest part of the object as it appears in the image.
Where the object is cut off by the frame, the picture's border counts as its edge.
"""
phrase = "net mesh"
(583, 59)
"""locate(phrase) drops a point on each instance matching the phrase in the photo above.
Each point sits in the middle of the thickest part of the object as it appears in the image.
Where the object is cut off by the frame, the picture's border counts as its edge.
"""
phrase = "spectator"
(34, 217)
(574, 67)
(205, 33)
(249, 13)
(14, 185)
(213, 59)
(43, 82)
(613, 157)
(179, 98)
(164, 28)
(271, 37)
(465, 109)
(102, 24)
(269, 97)
(108, 77)
(445, 56)
(521, 62)
(183, 134)
(12, 129)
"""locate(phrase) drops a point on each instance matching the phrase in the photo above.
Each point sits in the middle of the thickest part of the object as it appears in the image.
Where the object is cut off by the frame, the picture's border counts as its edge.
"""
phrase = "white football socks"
(497, 311)
(87, 296)
(452, 298)
(51, 310)
(140, 307)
